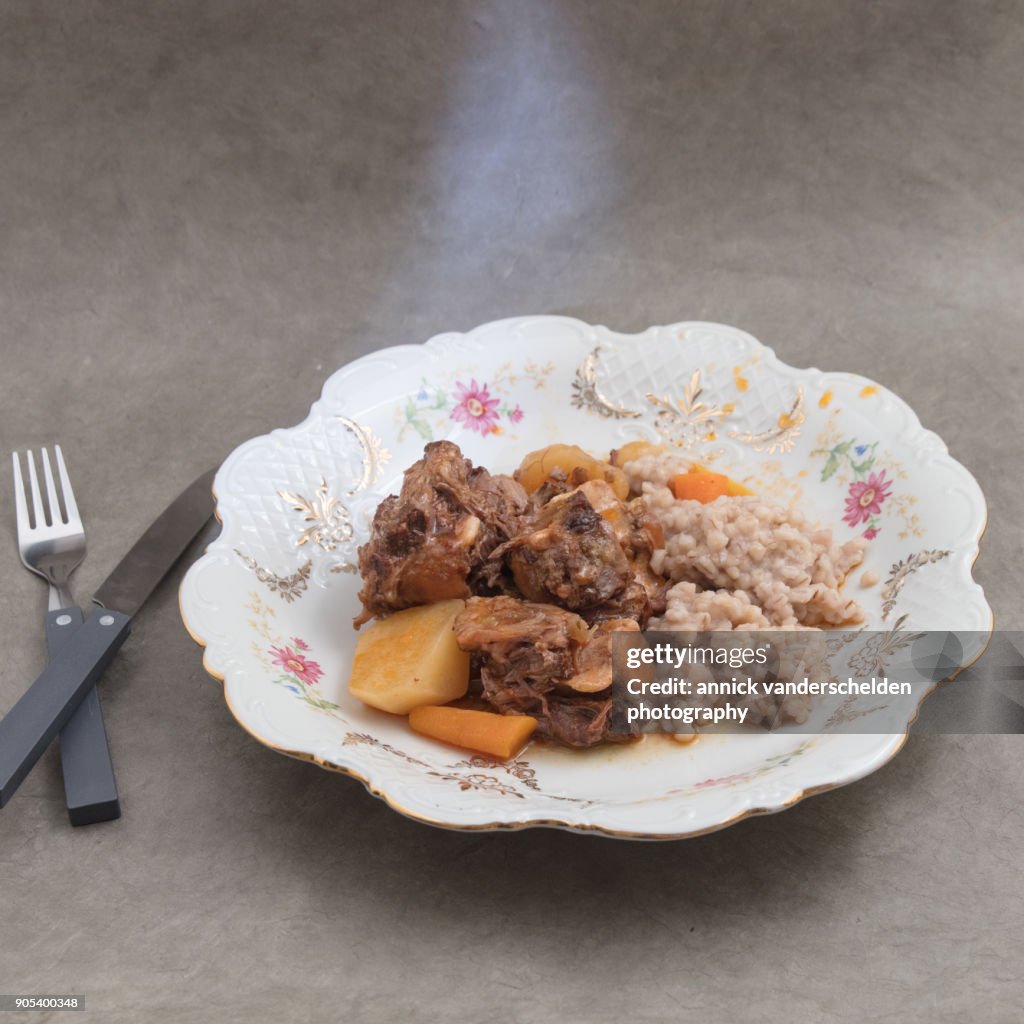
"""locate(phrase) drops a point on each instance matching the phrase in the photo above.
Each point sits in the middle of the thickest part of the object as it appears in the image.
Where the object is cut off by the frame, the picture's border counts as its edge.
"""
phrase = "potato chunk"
(537, 466)
(411, 659)
(635, 450)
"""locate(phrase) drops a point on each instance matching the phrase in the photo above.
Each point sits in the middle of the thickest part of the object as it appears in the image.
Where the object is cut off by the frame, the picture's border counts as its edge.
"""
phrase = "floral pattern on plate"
(871, 479)
(486, 406)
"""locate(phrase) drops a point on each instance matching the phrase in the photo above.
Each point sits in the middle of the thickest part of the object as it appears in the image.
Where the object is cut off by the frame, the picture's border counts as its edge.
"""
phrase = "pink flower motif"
(476, 409)
(300, 644)
(300, 667)
(872, 533)
(516, 414)
(865, 497)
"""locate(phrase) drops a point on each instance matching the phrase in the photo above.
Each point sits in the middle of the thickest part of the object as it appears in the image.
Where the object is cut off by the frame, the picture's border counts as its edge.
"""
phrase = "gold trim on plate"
(781, 437)
(586, 394)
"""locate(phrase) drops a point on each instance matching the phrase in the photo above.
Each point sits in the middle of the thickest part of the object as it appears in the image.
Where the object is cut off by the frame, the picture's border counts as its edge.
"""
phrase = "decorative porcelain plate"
(272, 599)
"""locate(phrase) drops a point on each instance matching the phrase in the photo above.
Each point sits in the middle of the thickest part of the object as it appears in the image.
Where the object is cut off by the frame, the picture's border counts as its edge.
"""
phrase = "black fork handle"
(90, 789)
(48, 704)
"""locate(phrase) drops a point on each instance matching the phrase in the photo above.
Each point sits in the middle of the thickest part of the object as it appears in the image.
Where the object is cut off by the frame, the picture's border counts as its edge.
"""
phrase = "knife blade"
(47, 705)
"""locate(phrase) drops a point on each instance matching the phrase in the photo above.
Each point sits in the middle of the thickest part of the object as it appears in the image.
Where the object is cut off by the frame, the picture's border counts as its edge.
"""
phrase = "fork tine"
(38, 512)
(51, 490)
(20, 505)
(65, 485)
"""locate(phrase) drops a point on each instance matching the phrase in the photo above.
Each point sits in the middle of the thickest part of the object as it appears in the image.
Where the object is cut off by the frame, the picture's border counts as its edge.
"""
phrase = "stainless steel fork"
(51, 543)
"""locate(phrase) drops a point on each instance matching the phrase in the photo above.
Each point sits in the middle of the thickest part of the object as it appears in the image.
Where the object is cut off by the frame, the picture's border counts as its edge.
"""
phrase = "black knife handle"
(90, 789)
(44, 709)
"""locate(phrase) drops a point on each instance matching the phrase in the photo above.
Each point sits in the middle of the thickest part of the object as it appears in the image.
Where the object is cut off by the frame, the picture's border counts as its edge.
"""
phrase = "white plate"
(273, 597)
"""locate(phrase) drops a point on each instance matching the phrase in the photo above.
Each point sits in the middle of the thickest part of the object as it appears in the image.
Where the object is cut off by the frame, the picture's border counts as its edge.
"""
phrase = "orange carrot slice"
(501, 736)
(701, 484)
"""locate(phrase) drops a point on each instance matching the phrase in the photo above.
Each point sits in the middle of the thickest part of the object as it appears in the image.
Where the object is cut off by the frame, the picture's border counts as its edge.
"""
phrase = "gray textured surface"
(206, 208)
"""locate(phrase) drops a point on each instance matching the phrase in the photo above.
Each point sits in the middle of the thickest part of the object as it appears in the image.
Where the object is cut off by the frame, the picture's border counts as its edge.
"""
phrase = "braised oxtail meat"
(632, 602)
(643, 538)
(558, 482)
(542, 661)
(640, 535)
(534, 642)
(593, 669)
(578, 723)
(431, 542)
(567, 553)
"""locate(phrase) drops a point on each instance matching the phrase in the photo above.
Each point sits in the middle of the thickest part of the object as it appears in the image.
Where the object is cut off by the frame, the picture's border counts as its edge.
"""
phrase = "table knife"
(47, 705)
